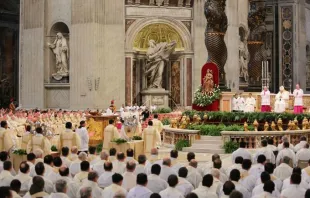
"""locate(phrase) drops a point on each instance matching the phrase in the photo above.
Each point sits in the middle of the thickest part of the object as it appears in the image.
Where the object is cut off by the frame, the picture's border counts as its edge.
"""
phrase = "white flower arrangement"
(202, 99)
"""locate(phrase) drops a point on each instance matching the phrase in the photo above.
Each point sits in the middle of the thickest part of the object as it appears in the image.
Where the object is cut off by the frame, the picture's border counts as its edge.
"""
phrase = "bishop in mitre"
(250, 103)
(282, 99)
(150, 137)
(110, 133)
(6, 142)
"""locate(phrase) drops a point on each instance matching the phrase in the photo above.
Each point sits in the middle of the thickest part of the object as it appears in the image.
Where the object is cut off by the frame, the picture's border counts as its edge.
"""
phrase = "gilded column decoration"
(287, 46)
(215, 32)
(257, 26)
(175, 82)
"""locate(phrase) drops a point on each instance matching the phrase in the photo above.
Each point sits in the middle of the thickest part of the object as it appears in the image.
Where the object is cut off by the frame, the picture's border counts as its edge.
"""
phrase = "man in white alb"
(281, 100)
(265, 104)
(298, 101)
(250, 104)
(84, 137)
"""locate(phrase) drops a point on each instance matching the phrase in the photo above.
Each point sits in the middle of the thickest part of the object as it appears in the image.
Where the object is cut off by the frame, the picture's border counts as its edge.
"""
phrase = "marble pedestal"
(157, 97)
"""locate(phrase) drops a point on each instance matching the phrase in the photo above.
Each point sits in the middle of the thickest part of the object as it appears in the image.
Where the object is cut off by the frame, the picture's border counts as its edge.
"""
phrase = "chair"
(302, 163)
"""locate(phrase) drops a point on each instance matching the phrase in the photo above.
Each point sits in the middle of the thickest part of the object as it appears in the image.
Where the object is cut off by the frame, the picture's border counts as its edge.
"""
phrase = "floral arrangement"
(204, 99)
(136, 138)
(20, 152)
(119, 141)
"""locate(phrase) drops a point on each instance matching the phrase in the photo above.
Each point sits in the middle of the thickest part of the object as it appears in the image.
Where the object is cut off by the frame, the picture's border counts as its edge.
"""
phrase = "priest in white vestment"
(171, 191)
(69, 138)
(110, 133)
(241, 103)
(92, 183)
(258, 190)
(23, 176)
(298, 100)
(75, 166)
(150, 137)
(119, 165)
(281, 102)
(84, 136)
(6, 142)
(99, 166)
(5, 176)
(301, 144)
(283, 171)
(286, 152)
(184, 186)
(235, 106)
(250, 104)
(61, 189)
(105, 179)
(294, 190)
(303, 154)
(158, 125)
(166, 169)
(155, 183)
(265, 103)
(268, 153)
(268, 188)
(193, 176)
(242, 152)
(129, 178)
(306, 173)
(140, 190)
(48, 185)
(204, 190)
(114, 188)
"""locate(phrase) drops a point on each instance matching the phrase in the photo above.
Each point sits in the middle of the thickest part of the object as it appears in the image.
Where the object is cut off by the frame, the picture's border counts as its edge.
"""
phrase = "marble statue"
(60, 49)
(243, 60)
(159, 2)
(157, 54)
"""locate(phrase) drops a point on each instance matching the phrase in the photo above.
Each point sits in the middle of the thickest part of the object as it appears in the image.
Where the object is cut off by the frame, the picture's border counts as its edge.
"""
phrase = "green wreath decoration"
(204, 99)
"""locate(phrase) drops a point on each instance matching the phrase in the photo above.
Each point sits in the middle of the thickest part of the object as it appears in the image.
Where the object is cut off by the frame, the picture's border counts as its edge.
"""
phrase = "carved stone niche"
(62, 28)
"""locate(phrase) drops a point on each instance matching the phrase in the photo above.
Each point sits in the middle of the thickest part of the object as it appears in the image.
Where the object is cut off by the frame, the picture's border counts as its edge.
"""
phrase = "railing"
(172, 135)
(253, 139)
(172, 3)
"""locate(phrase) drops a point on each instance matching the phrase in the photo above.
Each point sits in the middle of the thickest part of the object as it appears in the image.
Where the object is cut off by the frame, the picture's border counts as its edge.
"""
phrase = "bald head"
(130, 166)
(215, 173)
(104, 155)
(193, 163)
(82, 156)
(167, 161)
(74, 150)
(154, 151)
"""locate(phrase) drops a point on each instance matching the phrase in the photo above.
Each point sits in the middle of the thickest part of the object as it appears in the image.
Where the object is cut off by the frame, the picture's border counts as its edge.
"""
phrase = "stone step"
(207, 146)
(204, 137)
(203, 150)
(208, 142)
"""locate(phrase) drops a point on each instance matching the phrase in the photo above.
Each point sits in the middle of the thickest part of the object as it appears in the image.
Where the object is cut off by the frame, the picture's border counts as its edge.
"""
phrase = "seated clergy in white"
(65, 157)
(48, 185)
(105, 179)
(140, 190)
(114, 188)
(54, 174)
(286, 152)
(92, 158)
(258, 168)
(15, 188)
(269, 187)
(242, 152)
(31, 158)
(267, 152)
(217, 184)
(130, 156)
(234, 178)
(37, 187)
(281, 102)
(303, 154)
(141, 168)
(23, 176)
(119, 166)
(166, 169)
(5, 176)
(294, 190)
(72, 187)
(129, 178)
(75, 166)
(260, 188)
(269, 168)
(91, 182)
(74, 153)
(283, 171)
(171, 191)
(80, 177)
(174, 154)
(4, 156)
(218, 165)
(306, 173)
(193, 176)
(153, 159)
(155, 183)
(287, 181)
(228, 188)
(271, 146)
(98, 167)
(246, 179)
(204, 190)
(61, 189)
(184, 186)
(284, 139)
(301, 144)
(112, 153)
(39, 158)
(236, 165)
(250, 104)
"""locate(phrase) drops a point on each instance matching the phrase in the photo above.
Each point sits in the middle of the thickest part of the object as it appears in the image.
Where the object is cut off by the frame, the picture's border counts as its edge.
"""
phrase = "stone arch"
(138, 25)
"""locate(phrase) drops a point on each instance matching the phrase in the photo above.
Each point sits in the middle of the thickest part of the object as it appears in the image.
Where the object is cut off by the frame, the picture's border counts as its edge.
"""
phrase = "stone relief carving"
(157, 54)
(60, 49)
(158, 100)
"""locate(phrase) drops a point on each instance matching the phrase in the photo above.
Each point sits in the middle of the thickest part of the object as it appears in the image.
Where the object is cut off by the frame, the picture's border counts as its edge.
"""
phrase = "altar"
(136, 145)
(96, 125)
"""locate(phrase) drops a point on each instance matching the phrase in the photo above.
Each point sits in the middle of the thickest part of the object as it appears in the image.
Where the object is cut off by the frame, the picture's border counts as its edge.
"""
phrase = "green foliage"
(181, 144)
(204, 99)
(119, 141)
(99, 148)
(214, 130)
(230, 146)
(136, 138)
(163, 110)
(20, 152)
(165, 121)
(53, 148)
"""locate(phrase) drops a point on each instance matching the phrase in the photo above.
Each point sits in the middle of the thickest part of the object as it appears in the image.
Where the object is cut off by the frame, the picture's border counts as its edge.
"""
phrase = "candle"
(267, 73)
(262, 71)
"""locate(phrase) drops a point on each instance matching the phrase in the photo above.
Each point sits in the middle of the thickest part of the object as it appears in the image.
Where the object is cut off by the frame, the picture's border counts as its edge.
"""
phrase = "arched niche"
(62, 28)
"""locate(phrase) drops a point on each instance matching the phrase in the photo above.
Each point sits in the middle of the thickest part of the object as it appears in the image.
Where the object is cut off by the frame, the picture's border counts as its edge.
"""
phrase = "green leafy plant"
(163, 110)
(136, 138)
(165, 121)
(230, 146)
(119, 141)
(181, 144)
(53, 148)
(215, 130)
(204, 99)
(99, 148)
(20, 152)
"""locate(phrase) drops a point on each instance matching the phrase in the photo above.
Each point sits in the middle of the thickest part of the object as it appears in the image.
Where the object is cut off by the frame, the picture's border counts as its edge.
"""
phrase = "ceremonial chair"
(302, 163)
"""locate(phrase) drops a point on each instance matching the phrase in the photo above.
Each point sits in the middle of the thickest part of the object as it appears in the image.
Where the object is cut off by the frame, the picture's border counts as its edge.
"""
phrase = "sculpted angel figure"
(208, 82)
(243, 60)
(61, 51)
(157, 54)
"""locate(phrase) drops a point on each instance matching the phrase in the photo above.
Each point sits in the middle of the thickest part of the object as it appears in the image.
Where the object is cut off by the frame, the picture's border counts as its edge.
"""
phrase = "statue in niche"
(243, 59)
(157, 54)
(159, 2)
(208, 82)
(61, 51)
